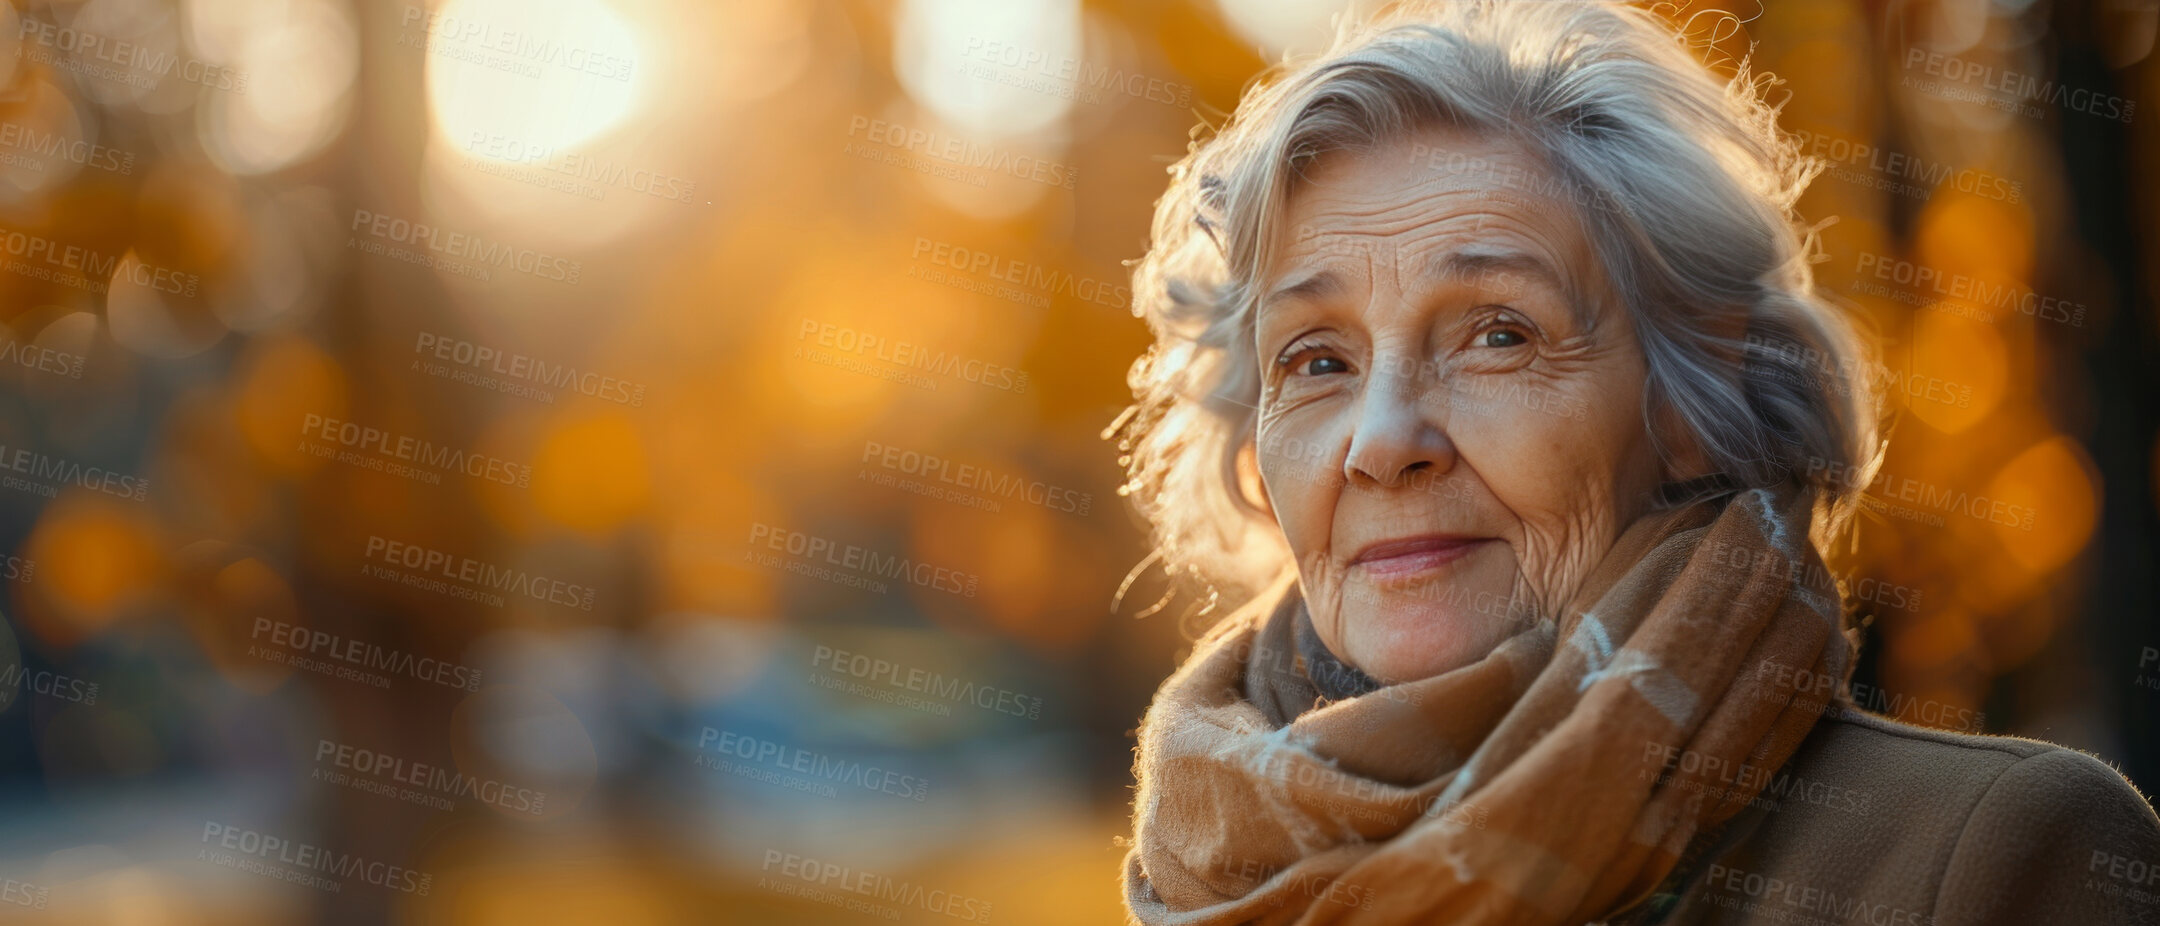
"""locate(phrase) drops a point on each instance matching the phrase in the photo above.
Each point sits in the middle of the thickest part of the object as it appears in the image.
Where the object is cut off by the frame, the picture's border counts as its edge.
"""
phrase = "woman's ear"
(1684, 457)
(1249, 482)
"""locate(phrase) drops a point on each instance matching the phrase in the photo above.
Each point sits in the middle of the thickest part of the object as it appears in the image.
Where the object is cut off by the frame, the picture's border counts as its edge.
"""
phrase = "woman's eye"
(1313, 361)
(1501, 337)
(1323, 365)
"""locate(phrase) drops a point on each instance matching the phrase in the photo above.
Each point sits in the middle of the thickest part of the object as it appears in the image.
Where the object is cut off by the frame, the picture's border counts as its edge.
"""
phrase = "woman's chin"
(1415, 640)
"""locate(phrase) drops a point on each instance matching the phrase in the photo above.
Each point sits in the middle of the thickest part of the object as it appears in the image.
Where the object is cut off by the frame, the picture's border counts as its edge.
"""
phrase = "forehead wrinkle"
(1359, 214)
(1401, 210)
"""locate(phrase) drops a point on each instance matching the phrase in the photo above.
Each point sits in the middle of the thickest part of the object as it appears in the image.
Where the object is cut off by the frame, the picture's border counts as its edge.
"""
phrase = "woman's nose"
(1400, 429)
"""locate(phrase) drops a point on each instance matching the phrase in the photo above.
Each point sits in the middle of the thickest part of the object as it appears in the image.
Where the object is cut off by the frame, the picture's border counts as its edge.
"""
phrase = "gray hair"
(1684, 184)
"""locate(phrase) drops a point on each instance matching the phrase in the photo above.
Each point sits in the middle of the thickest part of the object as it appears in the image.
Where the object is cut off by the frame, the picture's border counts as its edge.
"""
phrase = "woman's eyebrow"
(1311, 285)
(1480, 262)
(1505, 269)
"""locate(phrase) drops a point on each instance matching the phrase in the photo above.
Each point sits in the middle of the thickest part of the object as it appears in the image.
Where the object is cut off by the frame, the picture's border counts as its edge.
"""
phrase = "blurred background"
(638, 461)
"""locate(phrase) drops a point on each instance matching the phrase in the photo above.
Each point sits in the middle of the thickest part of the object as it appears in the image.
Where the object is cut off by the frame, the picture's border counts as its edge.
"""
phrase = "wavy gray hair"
(1685, 186)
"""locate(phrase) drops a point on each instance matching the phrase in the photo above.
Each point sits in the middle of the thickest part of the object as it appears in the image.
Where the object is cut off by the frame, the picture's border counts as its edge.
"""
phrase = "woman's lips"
(1410, 557)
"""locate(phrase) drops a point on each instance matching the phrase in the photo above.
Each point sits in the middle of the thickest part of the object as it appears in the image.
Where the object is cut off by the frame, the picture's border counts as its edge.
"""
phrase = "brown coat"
(1881, 823)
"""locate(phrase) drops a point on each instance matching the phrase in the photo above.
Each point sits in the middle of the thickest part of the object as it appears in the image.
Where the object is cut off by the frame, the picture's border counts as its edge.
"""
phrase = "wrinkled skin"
(1441, 353)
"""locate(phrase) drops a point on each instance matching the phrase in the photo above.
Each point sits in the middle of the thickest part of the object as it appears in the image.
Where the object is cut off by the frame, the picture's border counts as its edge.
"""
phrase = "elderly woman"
(1490, 373)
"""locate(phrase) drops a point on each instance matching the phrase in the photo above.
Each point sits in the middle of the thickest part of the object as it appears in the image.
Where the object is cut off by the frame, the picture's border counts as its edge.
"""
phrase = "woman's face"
(1451, 426)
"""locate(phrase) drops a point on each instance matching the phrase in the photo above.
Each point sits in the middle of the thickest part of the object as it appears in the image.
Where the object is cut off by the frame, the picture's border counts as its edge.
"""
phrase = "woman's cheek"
(1301, 513)
(1511, 453)
(1554, 473)
(1299, 455)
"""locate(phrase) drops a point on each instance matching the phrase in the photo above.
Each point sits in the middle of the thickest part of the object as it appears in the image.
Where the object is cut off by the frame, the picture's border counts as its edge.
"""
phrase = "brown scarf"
(1557, 780)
